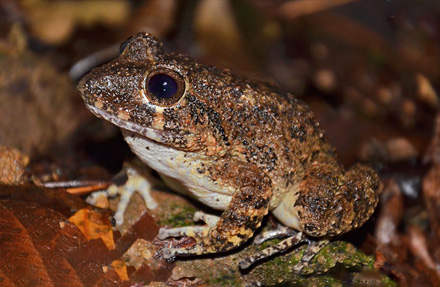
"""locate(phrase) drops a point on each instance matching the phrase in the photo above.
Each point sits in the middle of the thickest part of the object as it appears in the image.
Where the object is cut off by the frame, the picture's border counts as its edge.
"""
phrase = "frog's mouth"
(146, 132)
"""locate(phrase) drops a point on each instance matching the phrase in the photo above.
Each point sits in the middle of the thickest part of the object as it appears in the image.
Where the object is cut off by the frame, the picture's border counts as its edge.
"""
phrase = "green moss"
(179, 216)
(338, 259)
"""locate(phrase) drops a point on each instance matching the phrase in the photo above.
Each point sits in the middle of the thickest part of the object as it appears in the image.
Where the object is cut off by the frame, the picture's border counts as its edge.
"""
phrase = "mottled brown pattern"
(242, 135)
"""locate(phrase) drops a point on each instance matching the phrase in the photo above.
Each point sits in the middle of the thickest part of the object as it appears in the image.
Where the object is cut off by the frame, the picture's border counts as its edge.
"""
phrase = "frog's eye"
(164, 87)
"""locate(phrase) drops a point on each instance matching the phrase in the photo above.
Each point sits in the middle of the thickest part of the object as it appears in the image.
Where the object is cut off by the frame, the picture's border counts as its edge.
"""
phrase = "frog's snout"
(85, 85)
(98, 84)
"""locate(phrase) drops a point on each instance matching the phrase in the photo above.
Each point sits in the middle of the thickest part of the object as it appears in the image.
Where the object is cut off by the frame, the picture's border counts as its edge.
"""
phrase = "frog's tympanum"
(237, 145)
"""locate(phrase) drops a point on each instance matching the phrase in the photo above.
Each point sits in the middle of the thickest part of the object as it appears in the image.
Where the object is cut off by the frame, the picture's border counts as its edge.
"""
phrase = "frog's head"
(152, 94)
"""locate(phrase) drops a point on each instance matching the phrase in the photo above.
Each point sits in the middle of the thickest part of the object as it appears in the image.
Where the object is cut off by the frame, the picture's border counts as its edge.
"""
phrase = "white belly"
(181, 167)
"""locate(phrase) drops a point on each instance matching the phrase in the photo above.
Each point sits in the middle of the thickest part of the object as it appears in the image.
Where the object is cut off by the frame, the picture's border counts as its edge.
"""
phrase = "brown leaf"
(120, 268)
(93, 227)
(41, 247)
(28, 235)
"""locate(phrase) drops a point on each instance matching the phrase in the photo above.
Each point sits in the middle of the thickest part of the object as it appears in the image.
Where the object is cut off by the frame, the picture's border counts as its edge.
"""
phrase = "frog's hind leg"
(327, 202)
(330, 202)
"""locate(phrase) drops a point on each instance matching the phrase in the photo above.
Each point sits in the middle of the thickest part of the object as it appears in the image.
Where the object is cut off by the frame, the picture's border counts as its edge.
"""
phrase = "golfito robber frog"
(235, 144)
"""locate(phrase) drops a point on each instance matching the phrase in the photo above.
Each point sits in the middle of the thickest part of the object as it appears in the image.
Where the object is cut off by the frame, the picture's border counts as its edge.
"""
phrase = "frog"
(236, 144)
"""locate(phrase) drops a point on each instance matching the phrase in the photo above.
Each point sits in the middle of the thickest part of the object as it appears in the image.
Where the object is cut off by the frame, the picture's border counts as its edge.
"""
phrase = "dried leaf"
(120, 268)
(93, 226)
(39, 246)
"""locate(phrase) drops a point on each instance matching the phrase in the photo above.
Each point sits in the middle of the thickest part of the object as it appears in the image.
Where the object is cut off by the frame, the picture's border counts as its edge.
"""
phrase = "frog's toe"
(281, 231)
(209, 219)
(135, 183)
(312, 249)
(171, 253)
(142, 185)
(189, 231)
(283, 246)
(132, 182)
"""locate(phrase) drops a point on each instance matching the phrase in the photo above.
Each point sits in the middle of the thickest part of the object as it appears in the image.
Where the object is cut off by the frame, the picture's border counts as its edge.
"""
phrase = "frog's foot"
(191, 231)
(170, 253)
(278, 248)
(313, 248)
(132, 182)
(195, 232)
(281, 231)
(209, 219)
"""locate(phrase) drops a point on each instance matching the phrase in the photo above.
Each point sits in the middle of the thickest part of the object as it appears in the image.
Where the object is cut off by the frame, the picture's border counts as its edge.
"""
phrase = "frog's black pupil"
(162, 86)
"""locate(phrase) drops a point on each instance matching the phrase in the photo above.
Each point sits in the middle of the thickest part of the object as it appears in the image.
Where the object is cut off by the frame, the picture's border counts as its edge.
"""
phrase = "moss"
(178, 216)
(336, 260)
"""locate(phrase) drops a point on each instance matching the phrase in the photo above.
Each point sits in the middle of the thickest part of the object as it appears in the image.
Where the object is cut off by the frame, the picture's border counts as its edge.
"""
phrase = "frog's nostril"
(81, 85)
(87, 85)
(124, 45)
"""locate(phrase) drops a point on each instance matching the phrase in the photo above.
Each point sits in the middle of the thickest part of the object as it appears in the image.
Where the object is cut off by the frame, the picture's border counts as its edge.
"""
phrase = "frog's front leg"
(126, 183)
(237, 223)
(200, 231)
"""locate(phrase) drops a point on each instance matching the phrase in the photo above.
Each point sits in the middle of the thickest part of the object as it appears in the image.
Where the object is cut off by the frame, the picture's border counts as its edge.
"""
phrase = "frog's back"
(262, 126)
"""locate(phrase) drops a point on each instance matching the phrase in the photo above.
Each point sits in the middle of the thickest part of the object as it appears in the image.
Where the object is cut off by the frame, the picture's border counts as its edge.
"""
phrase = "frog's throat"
(147, 132)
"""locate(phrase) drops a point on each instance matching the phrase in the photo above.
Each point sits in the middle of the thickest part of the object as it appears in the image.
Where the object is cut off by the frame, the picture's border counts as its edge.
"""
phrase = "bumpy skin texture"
(235, 144)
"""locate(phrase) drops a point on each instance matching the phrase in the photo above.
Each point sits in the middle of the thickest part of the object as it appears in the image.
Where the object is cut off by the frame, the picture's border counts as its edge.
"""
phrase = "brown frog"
(235, 144)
